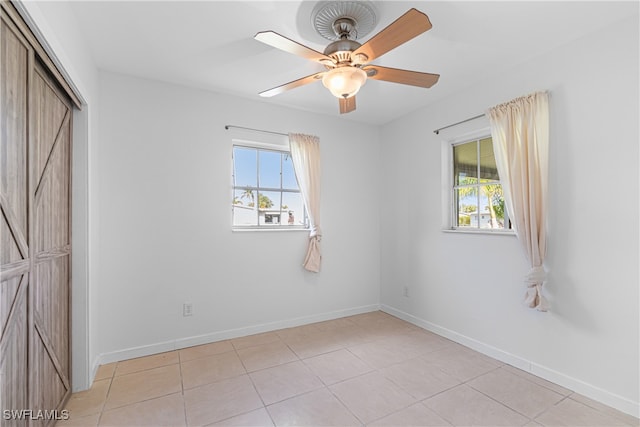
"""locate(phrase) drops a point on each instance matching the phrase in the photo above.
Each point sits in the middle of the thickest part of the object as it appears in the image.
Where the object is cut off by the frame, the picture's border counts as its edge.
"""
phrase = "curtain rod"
(255, 130)
(437, 131)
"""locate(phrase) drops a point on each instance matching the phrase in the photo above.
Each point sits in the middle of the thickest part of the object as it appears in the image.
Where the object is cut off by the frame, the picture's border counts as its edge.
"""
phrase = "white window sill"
(479, 231)
(263, 229)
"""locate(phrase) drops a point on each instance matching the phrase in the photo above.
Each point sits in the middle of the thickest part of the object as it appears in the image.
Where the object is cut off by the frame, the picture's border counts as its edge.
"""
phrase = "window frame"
(265, 147)
(449, 206)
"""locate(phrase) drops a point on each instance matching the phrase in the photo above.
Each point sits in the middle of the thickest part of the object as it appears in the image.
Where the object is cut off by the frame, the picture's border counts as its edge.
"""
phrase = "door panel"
(50, 307)
(51, 145)
(16, 57)
(13, 347)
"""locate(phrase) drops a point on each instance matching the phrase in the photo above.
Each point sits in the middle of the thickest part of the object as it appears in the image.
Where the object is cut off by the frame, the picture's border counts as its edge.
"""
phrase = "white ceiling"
(210, 45)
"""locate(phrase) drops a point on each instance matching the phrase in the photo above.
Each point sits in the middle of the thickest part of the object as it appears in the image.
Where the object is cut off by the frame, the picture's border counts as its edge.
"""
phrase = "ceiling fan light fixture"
(344, 82)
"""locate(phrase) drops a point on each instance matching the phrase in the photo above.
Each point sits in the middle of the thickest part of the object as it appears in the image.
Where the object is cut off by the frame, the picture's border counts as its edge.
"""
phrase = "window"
(478, 200)
(265, 190)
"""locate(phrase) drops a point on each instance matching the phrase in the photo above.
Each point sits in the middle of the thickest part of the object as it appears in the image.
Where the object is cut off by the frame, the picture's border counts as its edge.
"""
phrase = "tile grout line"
(106, 397)
(550, 407)
(374, 369)
(184, 403)
(324, 385)
(254, 389)
(497, 401)
(618, 415)
(344, 405)
(417, 401)
(137, 401)
(525, 377)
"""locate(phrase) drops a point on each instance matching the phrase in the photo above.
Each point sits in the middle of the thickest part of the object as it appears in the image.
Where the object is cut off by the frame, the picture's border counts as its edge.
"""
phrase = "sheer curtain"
(520, 132)
(305, 154)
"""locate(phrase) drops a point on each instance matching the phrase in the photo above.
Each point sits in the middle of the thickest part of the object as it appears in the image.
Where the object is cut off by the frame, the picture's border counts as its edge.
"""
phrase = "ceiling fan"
(347, 62)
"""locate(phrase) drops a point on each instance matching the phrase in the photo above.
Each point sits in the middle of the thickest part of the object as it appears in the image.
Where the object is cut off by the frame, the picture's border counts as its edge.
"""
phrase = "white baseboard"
(610, 399)
(161, 347)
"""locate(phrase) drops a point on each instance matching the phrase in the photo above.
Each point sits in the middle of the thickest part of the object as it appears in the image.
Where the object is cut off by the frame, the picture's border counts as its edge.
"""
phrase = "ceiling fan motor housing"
(340, 50)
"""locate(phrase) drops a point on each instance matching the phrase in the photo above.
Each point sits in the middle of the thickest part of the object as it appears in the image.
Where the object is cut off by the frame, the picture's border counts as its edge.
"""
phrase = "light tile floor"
(369, 369)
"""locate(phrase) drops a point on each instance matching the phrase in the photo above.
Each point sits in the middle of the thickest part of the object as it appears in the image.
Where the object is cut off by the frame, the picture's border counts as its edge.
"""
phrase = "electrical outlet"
(405, 291)
(187, 309)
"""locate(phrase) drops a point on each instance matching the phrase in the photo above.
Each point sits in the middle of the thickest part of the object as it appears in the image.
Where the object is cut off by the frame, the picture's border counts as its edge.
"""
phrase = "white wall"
(57, 29)
(151, 220)
(469, 287)
(165, 227)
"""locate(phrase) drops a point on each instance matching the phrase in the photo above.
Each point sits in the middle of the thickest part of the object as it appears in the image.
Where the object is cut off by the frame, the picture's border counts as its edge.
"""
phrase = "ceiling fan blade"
(347, 105)
(398, 32)
(281, 42)
(405, 77)
(291, 85)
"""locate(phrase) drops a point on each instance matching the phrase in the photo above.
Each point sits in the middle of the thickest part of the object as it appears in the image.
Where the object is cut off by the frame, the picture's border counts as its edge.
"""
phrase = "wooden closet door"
(35, 230)
(50, 144)
(16, 59)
